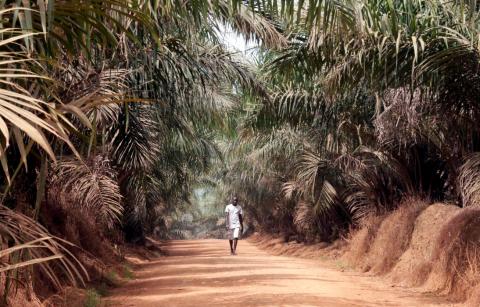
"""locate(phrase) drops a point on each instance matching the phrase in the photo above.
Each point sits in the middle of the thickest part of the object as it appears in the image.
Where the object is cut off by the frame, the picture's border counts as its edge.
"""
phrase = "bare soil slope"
(201, 273)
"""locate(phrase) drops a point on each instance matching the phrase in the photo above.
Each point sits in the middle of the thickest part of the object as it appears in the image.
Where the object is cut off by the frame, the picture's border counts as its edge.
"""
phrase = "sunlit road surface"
(203, 273)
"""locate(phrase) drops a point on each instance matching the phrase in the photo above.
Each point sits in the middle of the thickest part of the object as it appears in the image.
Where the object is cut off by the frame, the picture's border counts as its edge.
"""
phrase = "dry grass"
(474, 297)
(95, 247)
(415, 264)
(360, 241)
(278, 246)
(23, 296)
(437, 246)
(471, 276)
(393, 237)
(456, 260)
(74, 297)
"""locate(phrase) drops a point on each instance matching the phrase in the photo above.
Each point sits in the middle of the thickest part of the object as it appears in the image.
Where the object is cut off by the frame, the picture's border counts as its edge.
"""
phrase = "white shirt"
(233, 215)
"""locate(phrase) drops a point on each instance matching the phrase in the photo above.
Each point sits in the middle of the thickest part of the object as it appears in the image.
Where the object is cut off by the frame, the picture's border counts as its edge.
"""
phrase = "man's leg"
(235, 241)
(236, 233)
(230, 240)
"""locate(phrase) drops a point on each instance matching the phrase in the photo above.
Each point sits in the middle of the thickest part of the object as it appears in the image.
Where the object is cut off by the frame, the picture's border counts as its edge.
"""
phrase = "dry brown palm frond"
(469, 182)
(289, 189)
(24, 242)
(401, 121)
(309, 168)
(304, 217)
(91, 187)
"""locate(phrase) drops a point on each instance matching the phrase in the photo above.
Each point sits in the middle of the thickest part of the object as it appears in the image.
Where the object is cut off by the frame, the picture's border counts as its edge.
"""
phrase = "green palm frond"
(289, 189)
(97, 95)
(132, 140)
(136, 207)
(81, 25)
(295, 107)
(21, 113)
(310, 167)
(327, 199)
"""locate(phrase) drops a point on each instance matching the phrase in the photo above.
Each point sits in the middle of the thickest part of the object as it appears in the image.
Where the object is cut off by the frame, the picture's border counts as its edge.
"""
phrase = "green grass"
(102, 289)
(115, 278)
(112, 279)
(127, 272)
(92, 298)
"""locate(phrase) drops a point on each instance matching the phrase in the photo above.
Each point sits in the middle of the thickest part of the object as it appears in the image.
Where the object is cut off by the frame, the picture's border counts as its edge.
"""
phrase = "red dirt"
(201, 273)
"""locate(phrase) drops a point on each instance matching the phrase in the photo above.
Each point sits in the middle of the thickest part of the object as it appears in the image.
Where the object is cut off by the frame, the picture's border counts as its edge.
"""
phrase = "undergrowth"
(92, 298)
(127, 272)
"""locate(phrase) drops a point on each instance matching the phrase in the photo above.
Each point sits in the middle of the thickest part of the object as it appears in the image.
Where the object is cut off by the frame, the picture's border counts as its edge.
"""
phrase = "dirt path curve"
(201, 273)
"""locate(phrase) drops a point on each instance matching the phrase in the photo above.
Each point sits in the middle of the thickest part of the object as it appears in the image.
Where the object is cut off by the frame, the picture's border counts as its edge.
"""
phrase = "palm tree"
(119, 115)
(380, 98)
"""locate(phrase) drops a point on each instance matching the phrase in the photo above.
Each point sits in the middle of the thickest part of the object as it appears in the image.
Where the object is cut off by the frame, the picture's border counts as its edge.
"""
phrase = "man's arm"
(227, 222)
(240, 218)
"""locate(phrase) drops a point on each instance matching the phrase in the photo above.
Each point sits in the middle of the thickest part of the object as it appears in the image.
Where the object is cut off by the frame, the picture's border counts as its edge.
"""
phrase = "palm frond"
(132, 140)
(468, 184)
(250, 24)
(91, 187)
(25, 243)
(304, 218)
(21, 113)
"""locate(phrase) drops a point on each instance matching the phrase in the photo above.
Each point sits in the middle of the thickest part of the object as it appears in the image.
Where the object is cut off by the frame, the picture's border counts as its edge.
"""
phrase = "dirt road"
(202, 273)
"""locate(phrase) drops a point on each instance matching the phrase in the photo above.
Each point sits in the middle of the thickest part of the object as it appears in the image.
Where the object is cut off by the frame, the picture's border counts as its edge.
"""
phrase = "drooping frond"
(304, 218)
(468, 183)
(133, 140)
(91, 186)
(97, 94)
(250, 24)
(24, 243)
(21, 113)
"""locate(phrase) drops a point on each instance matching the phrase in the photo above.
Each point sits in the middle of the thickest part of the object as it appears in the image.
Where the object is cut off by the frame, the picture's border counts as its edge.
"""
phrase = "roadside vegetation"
(372, 102)
(113, 112)
(372, 106)
(108, 111)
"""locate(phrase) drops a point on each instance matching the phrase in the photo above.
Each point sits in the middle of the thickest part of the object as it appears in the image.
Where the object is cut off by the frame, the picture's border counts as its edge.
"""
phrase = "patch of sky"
(236, 43)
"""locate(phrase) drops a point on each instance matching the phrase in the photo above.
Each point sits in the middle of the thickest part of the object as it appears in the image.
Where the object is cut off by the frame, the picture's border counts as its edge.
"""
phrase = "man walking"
(234, 223)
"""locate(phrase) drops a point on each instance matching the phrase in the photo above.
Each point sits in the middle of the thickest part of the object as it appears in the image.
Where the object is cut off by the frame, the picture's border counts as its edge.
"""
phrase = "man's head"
(235, 201)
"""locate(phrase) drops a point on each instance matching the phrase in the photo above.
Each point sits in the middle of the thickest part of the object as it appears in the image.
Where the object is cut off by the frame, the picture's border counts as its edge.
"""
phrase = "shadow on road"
(202, 273)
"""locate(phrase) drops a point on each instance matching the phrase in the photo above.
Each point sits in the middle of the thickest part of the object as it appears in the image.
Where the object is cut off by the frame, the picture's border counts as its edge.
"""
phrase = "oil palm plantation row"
(106, 117)
(110, 111)
(371, 102)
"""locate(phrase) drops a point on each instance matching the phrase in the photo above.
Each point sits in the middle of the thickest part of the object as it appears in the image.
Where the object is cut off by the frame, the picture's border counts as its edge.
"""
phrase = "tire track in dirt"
(202, 273)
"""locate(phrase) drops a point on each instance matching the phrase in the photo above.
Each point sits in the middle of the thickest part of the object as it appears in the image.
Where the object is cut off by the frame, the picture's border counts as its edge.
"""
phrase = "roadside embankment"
(434, 247)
